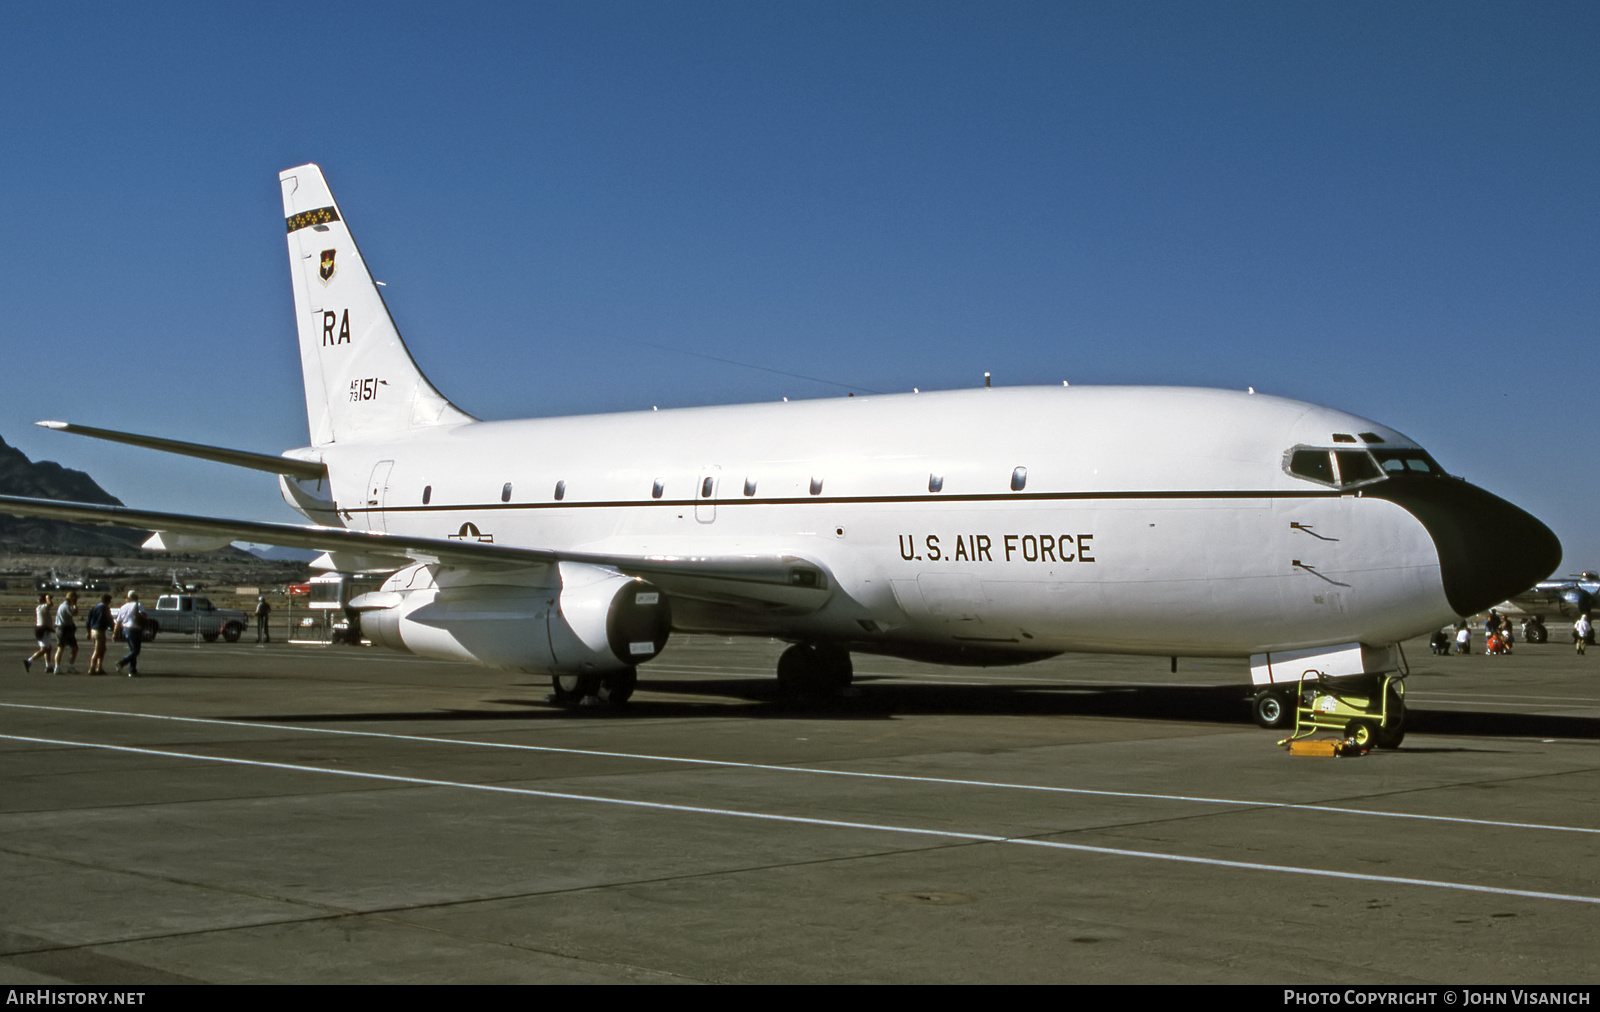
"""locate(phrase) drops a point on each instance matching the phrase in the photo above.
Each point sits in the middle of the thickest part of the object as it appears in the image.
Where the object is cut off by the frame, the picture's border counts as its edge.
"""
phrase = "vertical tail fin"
(360, 380)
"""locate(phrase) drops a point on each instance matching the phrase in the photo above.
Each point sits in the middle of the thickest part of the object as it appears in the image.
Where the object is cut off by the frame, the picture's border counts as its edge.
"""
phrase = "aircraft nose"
(1489, 550)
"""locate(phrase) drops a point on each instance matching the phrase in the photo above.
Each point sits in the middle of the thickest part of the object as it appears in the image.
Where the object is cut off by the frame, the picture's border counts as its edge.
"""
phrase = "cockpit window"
(1355, 467)
(1339, 468)
(1311, 464)
(1400, 461)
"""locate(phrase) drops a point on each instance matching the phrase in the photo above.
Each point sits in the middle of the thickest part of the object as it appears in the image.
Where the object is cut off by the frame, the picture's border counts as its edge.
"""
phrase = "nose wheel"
(1273, 709)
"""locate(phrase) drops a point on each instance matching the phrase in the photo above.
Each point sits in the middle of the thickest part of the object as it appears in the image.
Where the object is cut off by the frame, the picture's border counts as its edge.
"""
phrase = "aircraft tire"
(813, 671)
(1390, 737)
(1272, 710)
(570, 690)
(1393, 733)
(617, 687)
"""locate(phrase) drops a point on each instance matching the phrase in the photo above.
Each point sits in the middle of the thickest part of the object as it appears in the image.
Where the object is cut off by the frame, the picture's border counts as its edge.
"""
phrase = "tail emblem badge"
(327, 268)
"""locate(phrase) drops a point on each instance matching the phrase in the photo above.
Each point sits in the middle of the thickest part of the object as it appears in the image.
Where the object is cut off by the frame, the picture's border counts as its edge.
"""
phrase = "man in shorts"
(44, 617)
(101, 621)
(67, 634)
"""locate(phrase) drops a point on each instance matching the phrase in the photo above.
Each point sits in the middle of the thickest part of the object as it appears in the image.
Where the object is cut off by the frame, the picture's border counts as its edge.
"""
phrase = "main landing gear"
(810, 671)
(613, 688)
(1534, 631)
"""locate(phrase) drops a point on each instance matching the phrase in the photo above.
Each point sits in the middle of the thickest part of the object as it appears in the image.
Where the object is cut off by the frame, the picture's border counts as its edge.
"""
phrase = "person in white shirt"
(1581, 631)
(67, 634)
(44, 632)
(130, 619)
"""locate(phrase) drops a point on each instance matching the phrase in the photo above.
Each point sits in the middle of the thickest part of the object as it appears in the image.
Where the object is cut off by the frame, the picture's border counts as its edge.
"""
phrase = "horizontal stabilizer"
(306, 470)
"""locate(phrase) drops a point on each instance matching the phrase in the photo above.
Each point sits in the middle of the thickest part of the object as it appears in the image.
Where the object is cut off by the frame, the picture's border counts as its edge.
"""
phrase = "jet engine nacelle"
(597, 620)
(1580, 599)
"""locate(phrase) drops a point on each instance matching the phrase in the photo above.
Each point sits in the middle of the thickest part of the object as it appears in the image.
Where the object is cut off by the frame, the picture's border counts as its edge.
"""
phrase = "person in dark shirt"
(263, 609)
(100, 622)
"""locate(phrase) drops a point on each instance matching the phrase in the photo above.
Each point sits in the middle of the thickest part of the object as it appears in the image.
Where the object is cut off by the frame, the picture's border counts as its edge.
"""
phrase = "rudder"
(360, 380)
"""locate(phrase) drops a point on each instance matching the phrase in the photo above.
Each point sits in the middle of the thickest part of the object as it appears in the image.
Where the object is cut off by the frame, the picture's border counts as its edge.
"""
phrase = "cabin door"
(377, 496)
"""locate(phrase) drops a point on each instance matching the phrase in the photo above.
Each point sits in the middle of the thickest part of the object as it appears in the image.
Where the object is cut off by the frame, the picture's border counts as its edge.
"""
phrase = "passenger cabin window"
(707, 486)
(505, 492)
(816, 486)
(749, 486)
(657, 489)
(427, 494)
(1019, 479)
(935, 483)
(561, 490)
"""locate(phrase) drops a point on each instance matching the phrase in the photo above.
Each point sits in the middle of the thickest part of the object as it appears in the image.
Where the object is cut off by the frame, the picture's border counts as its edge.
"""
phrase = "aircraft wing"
(764, 582)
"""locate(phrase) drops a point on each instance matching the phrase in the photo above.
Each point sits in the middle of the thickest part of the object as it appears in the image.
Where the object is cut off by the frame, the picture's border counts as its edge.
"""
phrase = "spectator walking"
(263, 609)
(1581, 631)
(130, 619)
(101, 621)
(67, 634)
(44, 632)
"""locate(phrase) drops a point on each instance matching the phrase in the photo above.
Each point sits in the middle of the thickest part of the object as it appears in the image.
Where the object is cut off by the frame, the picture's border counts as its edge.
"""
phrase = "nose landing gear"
(1273, 708)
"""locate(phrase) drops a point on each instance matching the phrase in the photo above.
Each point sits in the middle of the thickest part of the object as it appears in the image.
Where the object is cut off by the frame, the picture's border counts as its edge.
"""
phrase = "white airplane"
(983, 526)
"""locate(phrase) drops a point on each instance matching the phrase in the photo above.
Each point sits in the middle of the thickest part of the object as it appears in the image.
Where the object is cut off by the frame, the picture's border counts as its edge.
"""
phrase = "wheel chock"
(1326, 747)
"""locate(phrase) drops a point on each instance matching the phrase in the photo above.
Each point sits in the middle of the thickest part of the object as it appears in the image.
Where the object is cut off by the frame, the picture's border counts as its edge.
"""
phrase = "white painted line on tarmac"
(820, 771)
(1540, 709)
(1519, 697)
(735, 813)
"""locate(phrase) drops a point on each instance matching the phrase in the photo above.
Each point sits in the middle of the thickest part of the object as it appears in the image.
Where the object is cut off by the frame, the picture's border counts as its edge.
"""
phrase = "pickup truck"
(185, 614)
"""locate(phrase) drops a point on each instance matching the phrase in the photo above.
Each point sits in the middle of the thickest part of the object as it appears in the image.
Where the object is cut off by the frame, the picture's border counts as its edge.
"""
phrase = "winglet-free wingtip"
(53, 425)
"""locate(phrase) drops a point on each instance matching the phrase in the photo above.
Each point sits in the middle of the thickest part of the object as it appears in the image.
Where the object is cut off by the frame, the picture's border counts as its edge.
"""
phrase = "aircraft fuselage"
(966, 525)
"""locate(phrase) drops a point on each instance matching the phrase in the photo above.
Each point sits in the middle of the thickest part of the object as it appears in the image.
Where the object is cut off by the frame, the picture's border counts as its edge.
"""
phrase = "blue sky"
(1388, 208)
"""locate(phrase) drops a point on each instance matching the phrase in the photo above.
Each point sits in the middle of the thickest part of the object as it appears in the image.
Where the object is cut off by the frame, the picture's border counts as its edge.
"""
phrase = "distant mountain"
(274, 553)
(49, 480)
